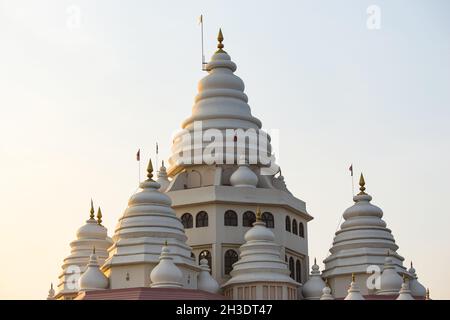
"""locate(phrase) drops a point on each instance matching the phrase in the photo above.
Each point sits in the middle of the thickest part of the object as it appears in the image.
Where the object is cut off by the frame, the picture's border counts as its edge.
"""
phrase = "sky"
(84, 84)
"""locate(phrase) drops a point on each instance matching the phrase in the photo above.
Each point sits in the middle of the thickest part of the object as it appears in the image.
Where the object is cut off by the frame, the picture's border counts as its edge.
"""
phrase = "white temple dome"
(244, 176)
(91, 234)
(205, 281)
(220, 104)
(259, 259)
(326, 294)
(93, 278)
(259, 232)
(313, 288)
(405, 293)
(162, 179)
(166, 274)
(417, 289)
(362, 240)
(390, 280)
(354, 293)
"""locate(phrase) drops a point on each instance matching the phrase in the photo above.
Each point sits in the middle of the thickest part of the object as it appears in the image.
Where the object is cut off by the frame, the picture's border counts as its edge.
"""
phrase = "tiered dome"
(354, 293)
(163, 180)
(220, 104)
(91, 234)
(260, 259)
(205, 281)
(166, 274)
(146, 224)
(417, 289)
(313, 288)
(93, 278)
(390, 280)
(362, 240)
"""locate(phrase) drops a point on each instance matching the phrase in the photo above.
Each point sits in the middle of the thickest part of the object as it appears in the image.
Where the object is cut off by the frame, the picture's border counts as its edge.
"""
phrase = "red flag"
(351, 169)
(138, 155)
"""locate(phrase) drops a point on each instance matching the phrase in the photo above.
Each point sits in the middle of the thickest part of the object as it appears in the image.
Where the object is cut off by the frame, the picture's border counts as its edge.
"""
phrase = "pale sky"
(77, 101)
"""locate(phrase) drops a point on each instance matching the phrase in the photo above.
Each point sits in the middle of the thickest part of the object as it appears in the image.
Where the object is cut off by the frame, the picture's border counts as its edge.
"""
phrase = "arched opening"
(298, 271)
(201, 219)
(248, 218)
(187, 221)
(294, 226)
(231, 257)
(288, 224)
(292, 267)
(301, 230)
(267, 217)
(230, 218)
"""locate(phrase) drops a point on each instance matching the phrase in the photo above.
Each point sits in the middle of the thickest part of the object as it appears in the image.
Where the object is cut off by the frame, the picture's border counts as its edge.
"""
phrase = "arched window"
(231, 257)
(294, 226)
(248, 218)
(230, 218)
(292, 267)
(267, 217)
(205, 254)
(187, 220)
(201, 219)
(298, 271)
(288, 224)
(301, 230)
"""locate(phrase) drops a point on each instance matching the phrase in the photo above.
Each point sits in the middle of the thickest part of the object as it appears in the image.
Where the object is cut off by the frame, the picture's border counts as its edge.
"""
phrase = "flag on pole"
(138, 155)
(351, 170)
(200, 19)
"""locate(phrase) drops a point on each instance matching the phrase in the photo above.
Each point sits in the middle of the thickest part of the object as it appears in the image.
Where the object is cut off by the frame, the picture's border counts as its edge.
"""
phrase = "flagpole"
(203, 53)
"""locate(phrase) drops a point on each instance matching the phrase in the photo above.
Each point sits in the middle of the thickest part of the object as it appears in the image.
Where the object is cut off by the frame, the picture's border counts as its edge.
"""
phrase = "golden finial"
(92, 210)
(362, 183)
(353, 277)
(165, 243)
(326, 282)
(427, 296)
(150, 170)
(315, 261)
(93, 250)
(411, 264)
(404, 278)
(99, 216)
(220, 39)
(258, 214)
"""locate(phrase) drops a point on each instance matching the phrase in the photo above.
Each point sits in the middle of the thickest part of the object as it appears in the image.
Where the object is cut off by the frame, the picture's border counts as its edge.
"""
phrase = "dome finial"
(362, 183)
(150, 170)
(353, 277)
(99, 216)
(93, 250)
(92, 210)
(220, 39)
(258, 214)
(427, 296)
(315, 261)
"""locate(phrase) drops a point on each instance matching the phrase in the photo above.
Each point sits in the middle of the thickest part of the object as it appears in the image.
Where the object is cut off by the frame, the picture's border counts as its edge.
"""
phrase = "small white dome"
(92, 230)
(244, 176)
(166, 274)
(312, 289)
(326, 294)
(93, 278)
(162, 178)
(391, 281)
(51, 293)
(205, 281)
(354, 293)
(405, 293)
(417, 289)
